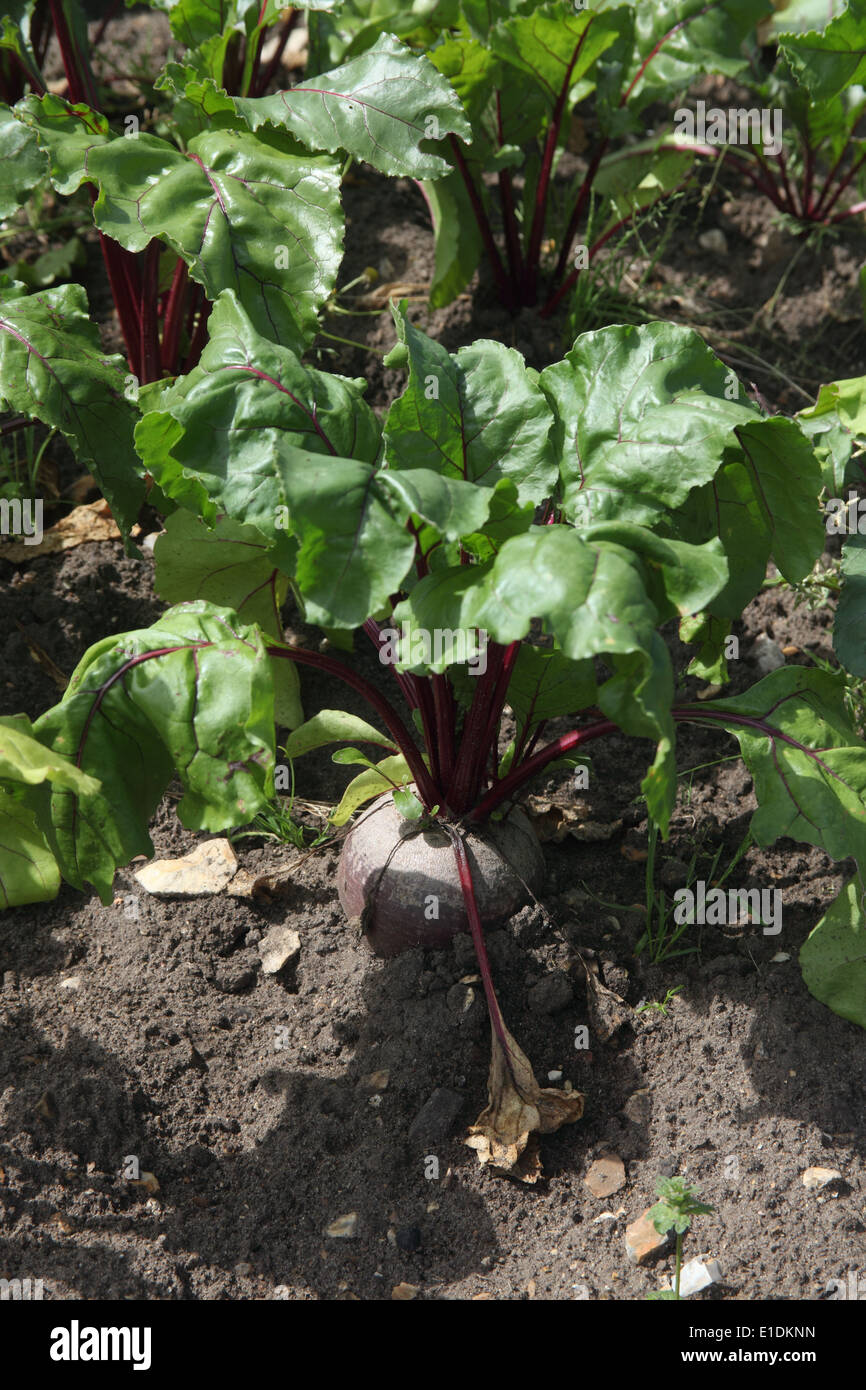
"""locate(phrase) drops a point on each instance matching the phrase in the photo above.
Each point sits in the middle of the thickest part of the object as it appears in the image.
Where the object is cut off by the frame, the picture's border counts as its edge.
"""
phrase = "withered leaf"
(554, 821)
(505, 1134)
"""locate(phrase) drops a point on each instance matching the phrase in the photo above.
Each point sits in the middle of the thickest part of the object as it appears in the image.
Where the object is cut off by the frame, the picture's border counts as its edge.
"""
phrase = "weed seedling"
(674, 1213)
(659, 1006)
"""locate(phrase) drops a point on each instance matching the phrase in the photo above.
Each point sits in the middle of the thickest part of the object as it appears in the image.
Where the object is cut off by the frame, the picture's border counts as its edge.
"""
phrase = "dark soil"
(147, 1030)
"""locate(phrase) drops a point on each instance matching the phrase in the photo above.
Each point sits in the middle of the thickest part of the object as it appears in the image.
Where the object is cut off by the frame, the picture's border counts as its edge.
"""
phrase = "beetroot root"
(407, 879)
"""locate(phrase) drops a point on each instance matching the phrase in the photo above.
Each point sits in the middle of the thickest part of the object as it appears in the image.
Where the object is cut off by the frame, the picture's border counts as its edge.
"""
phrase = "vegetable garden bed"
(270, 1106)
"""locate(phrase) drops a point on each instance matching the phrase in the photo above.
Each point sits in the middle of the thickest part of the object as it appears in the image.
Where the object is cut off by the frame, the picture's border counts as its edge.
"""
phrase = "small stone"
(697, 1275)
(766, 655)
(816, 1178)
(343, 1227)
(638, 1107)
(278, 948)
(46, 1106)
(554, 1076)
(73, 982)
(234, 978)
(779, 957)
(409, 1239)
(150, 541)
(148, 1182)
(404, 1293)
(606, 1176)
(376, 1081)
(714, 240)
(243, 1269)
(460, 999)
(436, 1116)
(205, 871)
(642, 1240)
(550, 995)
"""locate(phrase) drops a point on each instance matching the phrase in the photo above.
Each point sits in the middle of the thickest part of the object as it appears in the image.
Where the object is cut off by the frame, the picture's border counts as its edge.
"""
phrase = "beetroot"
(407, 879)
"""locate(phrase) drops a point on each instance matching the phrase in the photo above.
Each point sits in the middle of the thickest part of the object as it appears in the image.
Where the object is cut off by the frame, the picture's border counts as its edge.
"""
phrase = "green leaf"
(554, 44)
(407, 804)
(383, 107)
(849, 629)
(369, 784)
(636, 177)
(243, 215)
(547, 685)
(833, 423)
(192, 696)
(23, 163)
(221, 438)
(638, 698)
(476, 415)
(472, 70)
(833, 956)
(829, 58)
(710, 664)
(456, 236)
(230, 566)
(352, 757)
(332, 726)
(69, 133)
(28, 869)
(592, 600)
(641, 418)
(15, 20)
(808, 765)
(56, 264)
(453, 507)
(681, 578)
(676, 40)
(354, 547)
(53, 368)
(786, 480)
(761, 504)
(440, 603)
(24, 759)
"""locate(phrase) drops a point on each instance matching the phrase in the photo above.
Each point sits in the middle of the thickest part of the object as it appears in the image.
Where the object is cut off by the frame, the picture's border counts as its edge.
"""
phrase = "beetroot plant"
(228, 188)
(512, 544)
(541, 83)
(808, 79)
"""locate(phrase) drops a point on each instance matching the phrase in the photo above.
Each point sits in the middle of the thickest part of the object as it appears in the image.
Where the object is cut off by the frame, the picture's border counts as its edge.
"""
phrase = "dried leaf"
(518, 1109)
(394, 289)
(93, 522)
(553, 821)
(261, 887)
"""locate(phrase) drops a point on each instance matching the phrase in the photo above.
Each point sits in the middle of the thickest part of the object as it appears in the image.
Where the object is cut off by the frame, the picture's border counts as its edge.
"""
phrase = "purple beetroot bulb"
(417, 876)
